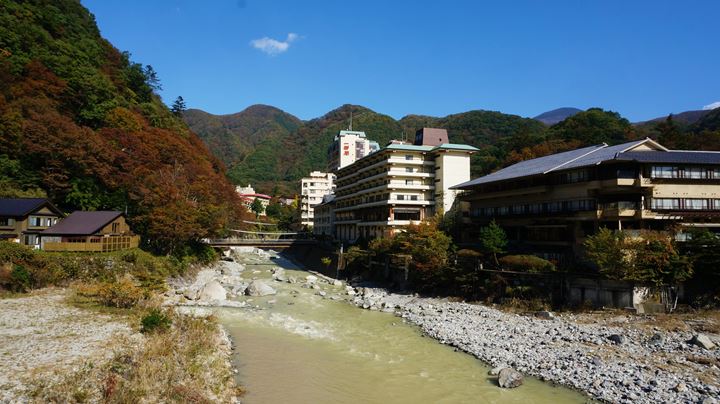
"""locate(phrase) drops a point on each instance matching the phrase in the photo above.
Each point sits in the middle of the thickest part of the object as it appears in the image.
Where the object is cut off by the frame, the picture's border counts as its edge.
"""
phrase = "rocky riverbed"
(619, 358)
(611, 359)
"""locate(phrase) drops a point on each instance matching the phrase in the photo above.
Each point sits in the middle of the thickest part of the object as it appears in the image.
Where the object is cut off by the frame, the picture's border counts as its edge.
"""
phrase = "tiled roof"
(672, 157)
(18, 207)
(81, 223)
(588, 156)
(532, 167)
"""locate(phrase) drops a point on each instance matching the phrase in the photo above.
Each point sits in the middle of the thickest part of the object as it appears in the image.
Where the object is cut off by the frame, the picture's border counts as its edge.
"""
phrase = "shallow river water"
(299, 347)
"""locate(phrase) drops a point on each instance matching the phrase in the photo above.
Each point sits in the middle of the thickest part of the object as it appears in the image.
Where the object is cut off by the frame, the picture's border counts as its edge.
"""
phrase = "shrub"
(156, 320)
(526, 263)
(122, 293)
(20, 279)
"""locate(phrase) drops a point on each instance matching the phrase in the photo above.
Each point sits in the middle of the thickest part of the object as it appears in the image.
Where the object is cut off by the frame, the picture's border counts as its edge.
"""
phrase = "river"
(298, 347)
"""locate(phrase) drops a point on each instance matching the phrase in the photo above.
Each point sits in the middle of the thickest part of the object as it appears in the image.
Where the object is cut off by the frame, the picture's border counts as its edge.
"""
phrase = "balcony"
(619, 209)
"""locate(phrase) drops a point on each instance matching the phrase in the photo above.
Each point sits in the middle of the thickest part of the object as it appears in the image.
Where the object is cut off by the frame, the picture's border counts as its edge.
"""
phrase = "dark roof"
(672, 156)
(19, 207)
(587, 156)
(81, 223)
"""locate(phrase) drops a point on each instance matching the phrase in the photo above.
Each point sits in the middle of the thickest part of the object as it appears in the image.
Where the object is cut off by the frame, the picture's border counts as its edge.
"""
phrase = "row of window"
(38, 221)
(7, 221)
(577, 205)
(684, 204)
(695, 173)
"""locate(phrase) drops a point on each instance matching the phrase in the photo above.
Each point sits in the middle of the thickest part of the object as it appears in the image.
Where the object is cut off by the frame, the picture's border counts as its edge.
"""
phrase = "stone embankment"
(610, 359)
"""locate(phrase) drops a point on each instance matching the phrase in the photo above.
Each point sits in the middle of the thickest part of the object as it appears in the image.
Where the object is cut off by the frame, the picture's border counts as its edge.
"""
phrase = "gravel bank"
(611, 359)
(41, 335)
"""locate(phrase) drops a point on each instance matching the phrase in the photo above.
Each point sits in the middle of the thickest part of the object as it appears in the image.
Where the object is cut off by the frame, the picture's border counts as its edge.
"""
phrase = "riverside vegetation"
(154, 354)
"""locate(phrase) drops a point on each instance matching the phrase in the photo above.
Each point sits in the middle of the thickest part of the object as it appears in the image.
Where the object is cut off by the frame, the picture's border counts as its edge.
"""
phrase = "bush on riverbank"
(526, 263)
(46, 268)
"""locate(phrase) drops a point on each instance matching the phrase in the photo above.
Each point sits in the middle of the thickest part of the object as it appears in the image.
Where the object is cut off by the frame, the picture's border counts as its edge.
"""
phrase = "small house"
(23, 219)
(100, 231)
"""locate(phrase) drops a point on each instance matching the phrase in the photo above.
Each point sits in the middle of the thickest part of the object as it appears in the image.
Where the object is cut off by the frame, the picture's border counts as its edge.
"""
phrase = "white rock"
(212, 290)
(311, 279)
(259, 288)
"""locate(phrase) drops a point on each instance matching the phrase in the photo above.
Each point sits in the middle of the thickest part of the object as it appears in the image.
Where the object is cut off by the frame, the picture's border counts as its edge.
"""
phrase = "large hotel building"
(549, 205)
(400, 184)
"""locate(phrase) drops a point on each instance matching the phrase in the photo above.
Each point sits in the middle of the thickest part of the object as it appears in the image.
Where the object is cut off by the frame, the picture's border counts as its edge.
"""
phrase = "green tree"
(607, 250)
(257, 207)
(493, 240)
(658, 261)
(594, 126)
(178, 106)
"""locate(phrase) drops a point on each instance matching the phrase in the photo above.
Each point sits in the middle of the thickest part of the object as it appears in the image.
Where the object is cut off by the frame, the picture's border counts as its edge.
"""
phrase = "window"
(6, 221)
(413, 197)
(695, 173)
(409, 182)
(696, 204)
(665, 172)
(715, 173)
(408, 157)
(408, 169)
(554, 207)
(503, 210)
(401, 197)
(665, 203)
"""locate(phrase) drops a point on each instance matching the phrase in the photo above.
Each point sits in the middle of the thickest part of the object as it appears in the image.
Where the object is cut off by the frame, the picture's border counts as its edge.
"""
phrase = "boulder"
(703, 341)
(509, 378)
(617, 339)
(549, 315)
(496, 370)
(278, 274)
(311, 279)
(212, 290)
(259, 288)
(656, 339)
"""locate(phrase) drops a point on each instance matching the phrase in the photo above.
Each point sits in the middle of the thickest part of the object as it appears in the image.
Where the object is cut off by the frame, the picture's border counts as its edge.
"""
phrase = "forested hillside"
(80, 123)
(281, 155)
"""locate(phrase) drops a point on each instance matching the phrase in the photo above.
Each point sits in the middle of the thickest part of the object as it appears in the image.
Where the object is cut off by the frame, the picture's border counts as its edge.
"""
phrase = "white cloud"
(714, 105)
(274, 47)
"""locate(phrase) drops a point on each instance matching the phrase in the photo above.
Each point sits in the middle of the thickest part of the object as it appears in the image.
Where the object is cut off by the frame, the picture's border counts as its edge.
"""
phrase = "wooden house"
(100, 231)
(23, 219)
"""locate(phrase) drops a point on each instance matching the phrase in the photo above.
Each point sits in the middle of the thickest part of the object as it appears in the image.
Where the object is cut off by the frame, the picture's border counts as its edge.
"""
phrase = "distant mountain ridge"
(557, 115)
(272, 149)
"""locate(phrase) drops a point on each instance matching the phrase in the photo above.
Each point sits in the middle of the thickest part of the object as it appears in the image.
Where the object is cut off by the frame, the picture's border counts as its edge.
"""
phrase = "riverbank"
(620, 358)
(42, 337)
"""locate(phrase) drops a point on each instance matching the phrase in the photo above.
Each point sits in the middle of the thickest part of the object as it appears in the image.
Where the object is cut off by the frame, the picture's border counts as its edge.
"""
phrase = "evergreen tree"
(257, 207)
(493, 240)
(178, 106)
(151, 78)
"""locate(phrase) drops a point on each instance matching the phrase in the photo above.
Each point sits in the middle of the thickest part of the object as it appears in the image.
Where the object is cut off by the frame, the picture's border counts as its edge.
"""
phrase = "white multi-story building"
(313, 188)
(348, 147)
(400, 184)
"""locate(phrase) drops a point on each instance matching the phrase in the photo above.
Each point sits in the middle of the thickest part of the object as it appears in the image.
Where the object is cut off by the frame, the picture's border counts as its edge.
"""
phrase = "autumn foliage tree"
(80, 122)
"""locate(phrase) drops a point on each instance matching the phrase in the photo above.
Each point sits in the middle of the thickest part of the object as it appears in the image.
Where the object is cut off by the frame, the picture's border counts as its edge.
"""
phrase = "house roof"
(81, 223)
(19, 207)
(673, 157)
(426, 148)
(252, 196)
(592, 155)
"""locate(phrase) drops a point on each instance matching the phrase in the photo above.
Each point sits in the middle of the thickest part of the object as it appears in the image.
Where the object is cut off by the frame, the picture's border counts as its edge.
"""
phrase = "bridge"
(260, 239)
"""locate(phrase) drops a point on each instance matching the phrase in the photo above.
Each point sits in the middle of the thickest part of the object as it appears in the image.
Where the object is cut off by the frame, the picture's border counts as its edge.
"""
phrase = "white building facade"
(348, 147)
(313, 188)
(399, 185)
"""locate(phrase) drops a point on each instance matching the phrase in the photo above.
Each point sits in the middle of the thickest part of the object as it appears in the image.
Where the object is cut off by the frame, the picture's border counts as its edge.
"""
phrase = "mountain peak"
(557, 115)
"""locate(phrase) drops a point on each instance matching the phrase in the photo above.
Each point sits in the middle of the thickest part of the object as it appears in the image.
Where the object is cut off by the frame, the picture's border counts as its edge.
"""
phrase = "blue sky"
(641, 58)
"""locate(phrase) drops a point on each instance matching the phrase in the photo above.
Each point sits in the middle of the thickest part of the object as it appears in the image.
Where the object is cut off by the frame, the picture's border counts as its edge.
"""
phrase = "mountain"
(556, 115)
(80, 122)
(231, 137)
(276, 159)
(686, 118)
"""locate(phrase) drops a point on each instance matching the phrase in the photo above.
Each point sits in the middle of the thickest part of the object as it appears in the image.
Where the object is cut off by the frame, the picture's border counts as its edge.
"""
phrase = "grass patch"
(180, 363)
